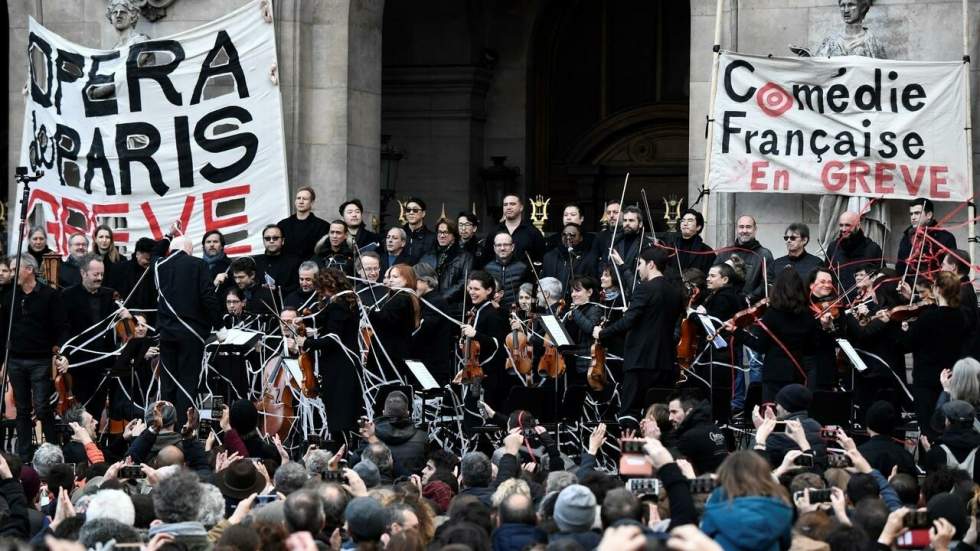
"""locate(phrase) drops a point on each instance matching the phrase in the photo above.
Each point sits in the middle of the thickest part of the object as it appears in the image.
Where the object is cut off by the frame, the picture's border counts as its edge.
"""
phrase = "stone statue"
(124, 15)
(854, 39)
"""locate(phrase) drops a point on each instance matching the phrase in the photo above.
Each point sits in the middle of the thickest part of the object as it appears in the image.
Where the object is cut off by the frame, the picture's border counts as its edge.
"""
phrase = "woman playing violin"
(489, 328)
(793, 327)
(935, 339)
(336, 347)
(395, 317)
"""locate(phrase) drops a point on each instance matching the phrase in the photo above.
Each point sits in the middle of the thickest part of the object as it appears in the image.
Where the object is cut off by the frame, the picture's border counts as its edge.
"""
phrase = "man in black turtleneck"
(753, 254)
(357, 233)
(302, 230)
(844, 254)
(691, 249)
(276, 262)
(572, 257)
(796, 236)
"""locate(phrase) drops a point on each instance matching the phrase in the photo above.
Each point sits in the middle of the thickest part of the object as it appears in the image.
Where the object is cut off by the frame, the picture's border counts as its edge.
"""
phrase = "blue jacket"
(747, 523)
(514, 537)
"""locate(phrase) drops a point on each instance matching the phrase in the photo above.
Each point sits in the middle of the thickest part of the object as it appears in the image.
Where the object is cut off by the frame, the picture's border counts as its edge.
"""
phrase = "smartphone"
(805, 460)
(702, 485)
(131, 472)
(217, 406)
(829, 432)
(779, 428)
(816, 496)
(916, 519)
(644, 487)
(632, 460)
(913, 539)
(204, 429)
(839, 461)
(265, 498)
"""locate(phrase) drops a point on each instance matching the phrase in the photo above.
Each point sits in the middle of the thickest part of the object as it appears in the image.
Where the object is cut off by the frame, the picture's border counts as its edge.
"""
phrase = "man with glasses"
(572, 257)
(368, 267)
(279, 265)
(526, 238)
(468, 224)
(691, 249)
(451, 264)
(69, 273)
(796, 236)
(507, 269)
(302, 230)
(851, 249)
(420, 240)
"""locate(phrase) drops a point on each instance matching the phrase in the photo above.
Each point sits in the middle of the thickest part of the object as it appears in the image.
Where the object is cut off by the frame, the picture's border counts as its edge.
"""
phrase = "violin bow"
(612, 240)
(538, 280)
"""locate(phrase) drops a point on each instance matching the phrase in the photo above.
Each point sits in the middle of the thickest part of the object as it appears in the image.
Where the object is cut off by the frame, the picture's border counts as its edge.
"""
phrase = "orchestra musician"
(489, 328)
(368, 267)
(649, 321)
(304, 296)
(826, 305)
(432, 343)
(336, 347)
(582, 316)
(40, 326)
(395, 317)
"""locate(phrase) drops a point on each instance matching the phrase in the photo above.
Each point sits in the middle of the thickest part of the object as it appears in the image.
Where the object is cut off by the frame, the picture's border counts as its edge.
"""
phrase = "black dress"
(393, 325)
(340, 383)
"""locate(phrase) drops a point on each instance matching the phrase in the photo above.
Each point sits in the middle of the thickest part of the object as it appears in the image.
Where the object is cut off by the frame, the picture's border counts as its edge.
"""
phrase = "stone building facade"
(569, 94)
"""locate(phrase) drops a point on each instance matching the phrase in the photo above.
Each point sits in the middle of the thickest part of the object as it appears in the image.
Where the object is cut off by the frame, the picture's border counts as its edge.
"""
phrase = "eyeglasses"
(465, 225)
(569, 235)
(444, 233)
(790, 237)
(272, 237)
(413, 210)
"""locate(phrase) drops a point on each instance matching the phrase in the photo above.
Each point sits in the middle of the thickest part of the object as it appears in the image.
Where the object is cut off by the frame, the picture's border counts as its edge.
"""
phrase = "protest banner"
(845, 125)
(186, 128)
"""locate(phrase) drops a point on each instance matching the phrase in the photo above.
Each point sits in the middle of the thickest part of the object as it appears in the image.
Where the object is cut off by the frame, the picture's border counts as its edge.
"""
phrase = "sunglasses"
(272, 237)
(413, 210)
(790, 237)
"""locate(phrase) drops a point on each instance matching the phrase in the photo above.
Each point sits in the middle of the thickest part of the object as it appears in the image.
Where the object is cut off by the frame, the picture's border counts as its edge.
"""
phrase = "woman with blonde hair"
(750, 511)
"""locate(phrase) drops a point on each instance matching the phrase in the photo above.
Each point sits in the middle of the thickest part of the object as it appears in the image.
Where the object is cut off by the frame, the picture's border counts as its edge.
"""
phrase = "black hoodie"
(407, 444)
(700, 440)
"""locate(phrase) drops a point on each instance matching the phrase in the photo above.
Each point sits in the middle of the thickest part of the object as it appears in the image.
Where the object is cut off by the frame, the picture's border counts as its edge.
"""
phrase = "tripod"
(22, 178)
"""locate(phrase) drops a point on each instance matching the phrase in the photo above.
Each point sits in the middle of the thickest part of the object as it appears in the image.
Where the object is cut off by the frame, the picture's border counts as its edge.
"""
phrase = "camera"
(804, 460)
(644, 488)
(839, 461)
(829, 432)
(131, 471)
(916, 519)
(703, 485)
(633, 460)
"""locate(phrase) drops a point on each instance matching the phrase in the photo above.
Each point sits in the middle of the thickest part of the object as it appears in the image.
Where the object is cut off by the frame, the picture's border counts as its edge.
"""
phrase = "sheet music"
(292, 366)
(240, 337)
(556, 331)
(709, 329)
(852, 355)
(422, 374)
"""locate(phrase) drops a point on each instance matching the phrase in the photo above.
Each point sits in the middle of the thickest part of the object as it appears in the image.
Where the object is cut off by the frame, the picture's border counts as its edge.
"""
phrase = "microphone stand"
(22, 177)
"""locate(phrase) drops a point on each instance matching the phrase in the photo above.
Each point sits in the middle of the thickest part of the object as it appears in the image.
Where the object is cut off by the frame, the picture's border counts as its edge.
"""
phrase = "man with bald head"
(851, 250)
(187, 309)
(757, 258)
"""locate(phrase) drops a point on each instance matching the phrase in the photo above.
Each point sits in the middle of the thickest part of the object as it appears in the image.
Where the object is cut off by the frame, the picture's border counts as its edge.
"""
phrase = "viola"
(469, 347)
(307, 363)
(597, 366)
(687, 345)
(520, 352)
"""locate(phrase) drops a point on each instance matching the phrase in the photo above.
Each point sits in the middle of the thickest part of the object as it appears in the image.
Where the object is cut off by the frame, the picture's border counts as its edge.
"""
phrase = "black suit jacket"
(187, 293)
(649, 326)
(81, 320)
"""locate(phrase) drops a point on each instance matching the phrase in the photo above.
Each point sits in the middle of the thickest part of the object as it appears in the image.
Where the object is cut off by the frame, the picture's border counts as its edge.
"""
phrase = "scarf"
(212, 260)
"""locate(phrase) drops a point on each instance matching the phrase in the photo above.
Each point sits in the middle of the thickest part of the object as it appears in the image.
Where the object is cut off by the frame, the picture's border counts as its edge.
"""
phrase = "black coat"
(420, 242)
(693, 252)
(932, 254)
(960, 441)
(510, 276)
(579, 324)
(218, 266)
(40, 322)
(935, 340)
(432, 343)
(366, 240)
(407, 443)
(80, 318)
(393, 325)
(649, 326)
(141, 291)
(283, 267)
(883, 454)
(803, 264)
(700, 440)
(340, 386)
(628, 247)
(301, 236)
(452, 266)
(342, 260)
(796, 332)
(477, 248)
(753, 256)
(402, 258)
(187, 292)
(845, 256)
(491, 332)
(563, 264)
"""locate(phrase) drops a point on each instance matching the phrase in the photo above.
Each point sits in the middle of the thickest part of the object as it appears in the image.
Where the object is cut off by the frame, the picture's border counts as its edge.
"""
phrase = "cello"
(519, 351)
(276, 405)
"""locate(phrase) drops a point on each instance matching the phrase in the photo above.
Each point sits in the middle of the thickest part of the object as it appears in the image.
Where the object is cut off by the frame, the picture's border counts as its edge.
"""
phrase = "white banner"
(844, 125)
(186, 128)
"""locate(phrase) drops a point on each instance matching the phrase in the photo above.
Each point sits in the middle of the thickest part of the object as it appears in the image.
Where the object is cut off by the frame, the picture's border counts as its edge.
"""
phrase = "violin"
(126, 327)
(907, 312)
(820, 306)
(469, 347)
(750, 315)
(62, 385)
(552, 364)
(597, 366)
(687, 345)
(307, 363)
(520, 352)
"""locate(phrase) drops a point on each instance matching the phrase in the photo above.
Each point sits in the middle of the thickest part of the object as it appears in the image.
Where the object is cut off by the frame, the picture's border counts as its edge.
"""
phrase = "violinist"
(335, 345)
(649, 351)
(826, 306)
(39, 326)
(525, 301)
(955, 262)
(790, 342)
(722, 301)
(549, 301)
(868, 333)
(935, 339)
(305, 295)
(396, 317)
(489, 328)
(90, 306)
(432, 343)
(583, 315)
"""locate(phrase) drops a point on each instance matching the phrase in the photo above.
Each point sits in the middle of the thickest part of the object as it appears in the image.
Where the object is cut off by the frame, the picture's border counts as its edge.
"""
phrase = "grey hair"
(317, 461)
(114, 504)
(212, 506)
(526, 288)
(965, 382)
(25, 260)
(476, 470)
(559, 480)
(551, 287)
(380, 455)
(46, 456)
(86, 260)
(290, 477)
(427, 274)
(36, 229)
(178, 498)
(310, 266)
(103, 530)
(79, 234)
(401, 232)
